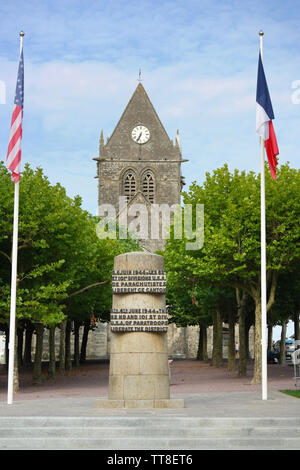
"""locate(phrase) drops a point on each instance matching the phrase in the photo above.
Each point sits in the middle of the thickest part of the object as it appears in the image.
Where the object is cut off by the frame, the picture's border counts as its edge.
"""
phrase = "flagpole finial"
(22, 34)
(261, 33)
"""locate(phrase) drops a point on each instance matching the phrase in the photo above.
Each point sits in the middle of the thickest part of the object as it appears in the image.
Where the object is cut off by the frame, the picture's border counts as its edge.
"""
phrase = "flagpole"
(13, 297)
(263, 258)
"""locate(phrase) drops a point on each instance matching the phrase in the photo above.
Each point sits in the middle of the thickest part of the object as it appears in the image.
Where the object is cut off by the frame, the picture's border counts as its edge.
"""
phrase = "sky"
(199, 67)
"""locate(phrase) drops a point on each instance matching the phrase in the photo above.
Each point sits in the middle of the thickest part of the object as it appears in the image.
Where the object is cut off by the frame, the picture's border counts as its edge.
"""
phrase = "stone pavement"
(222, 411)
(187, 377)
(236, 420)
(234, 404)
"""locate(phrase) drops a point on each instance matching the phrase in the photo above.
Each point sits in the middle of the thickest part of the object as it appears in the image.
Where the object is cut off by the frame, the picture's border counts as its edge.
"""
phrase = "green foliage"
(231, 252)
(232, 223)
(58, 253)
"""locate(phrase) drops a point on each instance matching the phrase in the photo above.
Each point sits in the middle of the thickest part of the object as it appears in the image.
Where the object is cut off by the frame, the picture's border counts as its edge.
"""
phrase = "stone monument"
(139, 369)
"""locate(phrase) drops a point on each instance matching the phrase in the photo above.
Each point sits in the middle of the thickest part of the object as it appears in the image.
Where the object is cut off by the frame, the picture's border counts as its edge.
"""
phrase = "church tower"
(139, 161)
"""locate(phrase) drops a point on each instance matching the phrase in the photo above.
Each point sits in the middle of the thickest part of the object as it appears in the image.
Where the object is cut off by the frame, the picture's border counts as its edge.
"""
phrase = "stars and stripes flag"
(13, 159)
(264, 117)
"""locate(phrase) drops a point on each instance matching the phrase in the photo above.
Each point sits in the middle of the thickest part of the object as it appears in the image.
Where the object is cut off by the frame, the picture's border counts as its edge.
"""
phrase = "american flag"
(13, 159)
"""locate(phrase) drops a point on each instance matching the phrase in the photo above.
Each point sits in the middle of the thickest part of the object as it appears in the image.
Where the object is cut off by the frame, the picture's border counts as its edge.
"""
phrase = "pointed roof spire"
(178, 144)
(139, 108)
(140, 76)
(101, 144)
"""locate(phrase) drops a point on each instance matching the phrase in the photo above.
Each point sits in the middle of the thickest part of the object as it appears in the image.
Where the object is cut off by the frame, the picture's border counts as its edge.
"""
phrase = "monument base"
(162, 403)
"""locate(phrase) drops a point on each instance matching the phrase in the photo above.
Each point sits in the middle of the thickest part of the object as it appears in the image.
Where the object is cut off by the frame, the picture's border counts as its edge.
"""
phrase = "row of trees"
(221, 282)
(64, 269)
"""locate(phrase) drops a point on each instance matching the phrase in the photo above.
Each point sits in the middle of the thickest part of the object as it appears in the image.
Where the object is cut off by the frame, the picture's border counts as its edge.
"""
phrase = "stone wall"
(183, 342)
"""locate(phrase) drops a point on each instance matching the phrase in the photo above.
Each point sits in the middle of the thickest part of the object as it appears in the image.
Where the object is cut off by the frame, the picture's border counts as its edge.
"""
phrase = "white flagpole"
(12, 321)
(263, 260)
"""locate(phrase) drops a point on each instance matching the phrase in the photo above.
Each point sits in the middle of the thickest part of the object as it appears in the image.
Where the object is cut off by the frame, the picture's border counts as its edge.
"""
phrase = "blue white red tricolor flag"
(264, 116)
(13, 159)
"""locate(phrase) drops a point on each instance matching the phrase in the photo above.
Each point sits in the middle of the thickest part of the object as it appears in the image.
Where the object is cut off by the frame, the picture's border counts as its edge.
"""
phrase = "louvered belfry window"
(148, 186)
(129, 185)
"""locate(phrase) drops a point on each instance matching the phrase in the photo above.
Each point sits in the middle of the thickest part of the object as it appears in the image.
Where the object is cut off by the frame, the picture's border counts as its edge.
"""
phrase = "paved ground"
(208, 391)
(212, 405)
(187, 376)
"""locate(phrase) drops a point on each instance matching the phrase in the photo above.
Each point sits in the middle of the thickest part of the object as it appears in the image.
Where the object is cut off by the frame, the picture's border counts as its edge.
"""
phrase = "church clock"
(140, 134)
(141, 163)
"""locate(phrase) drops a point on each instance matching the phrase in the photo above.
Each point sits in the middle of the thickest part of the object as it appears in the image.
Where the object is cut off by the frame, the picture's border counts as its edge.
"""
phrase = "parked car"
(289, 348)
(273, 357)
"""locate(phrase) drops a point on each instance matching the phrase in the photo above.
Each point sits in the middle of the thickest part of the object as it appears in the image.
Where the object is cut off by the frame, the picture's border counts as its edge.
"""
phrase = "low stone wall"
(182, 342)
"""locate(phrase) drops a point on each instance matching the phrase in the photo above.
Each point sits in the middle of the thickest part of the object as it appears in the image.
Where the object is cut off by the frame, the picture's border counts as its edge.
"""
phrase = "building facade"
(140, 163)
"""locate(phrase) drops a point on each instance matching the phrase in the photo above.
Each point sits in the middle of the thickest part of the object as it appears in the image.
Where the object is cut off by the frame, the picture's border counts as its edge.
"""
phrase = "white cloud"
(199, 65)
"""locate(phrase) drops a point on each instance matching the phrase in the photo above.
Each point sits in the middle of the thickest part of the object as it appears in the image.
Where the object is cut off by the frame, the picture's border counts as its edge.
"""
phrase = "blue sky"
(199, 66)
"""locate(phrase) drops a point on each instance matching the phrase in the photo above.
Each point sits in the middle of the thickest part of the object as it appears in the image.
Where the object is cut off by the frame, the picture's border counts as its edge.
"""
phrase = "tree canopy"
(231, 252)
(61, 261)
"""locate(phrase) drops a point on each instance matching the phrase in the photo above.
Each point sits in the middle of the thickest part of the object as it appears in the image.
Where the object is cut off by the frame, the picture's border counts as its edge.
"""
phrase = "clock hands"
(140, 134)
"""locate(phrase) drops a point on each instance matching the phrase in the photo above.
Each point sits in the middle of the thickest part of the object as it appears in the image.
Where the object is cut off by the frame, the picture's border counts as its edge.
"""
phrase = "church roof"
(140, 110)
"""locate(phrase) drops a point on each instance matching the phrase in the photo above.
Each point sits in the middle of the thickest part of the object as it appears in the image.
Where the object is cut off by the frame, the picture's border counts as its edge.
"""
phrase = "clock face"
(140, 134)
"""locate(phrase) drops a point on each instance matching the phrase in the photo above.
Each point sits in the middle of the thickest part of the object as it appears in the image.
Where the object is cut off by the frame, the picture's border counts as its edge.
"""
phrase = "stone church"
(141, 163)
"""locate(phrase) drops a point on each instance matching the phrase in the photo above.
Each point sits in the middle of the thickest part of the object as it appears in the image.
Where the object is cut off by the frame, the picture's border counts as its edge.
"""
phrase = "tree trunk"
(257, 343)
(205, 354)
(242, 370)
(62, 348)
(6, 347)
(213, 355)
(68, 345)
(7, 354)
(218, 339)
(200, 344)
(296, 326)
(16, 382)
(282, 343)
(76, 343)
(231, 342)
(241, 304)
(28, 344)
(84, 340)
(273, 277)
(247, 330)
(52, 358)
(20, 335)
(37, 370)
(270, 336)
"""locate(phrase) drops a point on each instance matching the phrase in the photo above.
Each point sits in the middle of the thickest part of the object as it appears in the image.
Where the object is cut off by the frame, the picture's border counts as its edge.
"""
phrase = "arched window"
(129, 185)
(148, 185)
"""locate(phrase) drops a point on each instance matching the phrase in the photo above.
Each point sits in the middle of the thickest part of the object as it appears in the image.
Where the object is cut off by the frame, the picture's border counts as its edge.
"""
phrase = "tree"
(286, 306)
(185, 303)
(231, 252)
(60, 258)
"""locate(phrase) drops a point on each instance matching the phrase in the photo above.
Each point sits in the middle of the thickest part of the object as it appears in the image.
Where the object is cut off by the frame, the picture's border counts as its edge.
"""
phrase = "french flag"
(264, 116)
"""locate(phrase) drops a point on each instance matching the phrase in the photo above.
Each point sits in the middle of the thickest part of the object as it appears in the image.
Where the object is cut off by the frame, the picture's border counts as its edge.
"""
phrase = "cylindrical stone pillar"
(139, 359)
(139, 369)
